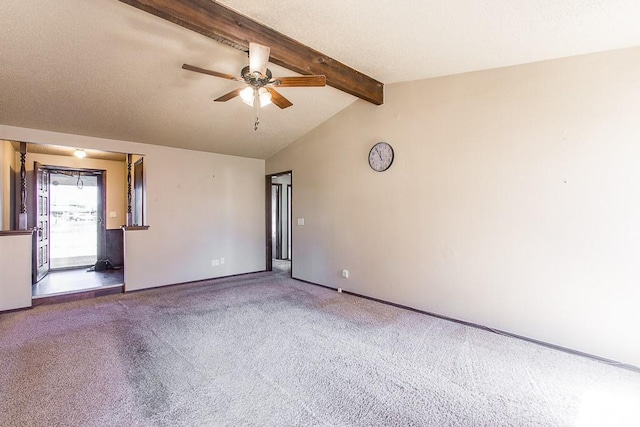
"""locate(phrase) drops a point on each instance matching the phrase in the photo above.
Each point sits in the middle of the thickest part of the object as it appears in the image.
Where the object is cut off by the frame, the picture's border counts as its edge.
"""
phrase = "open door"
(42, 222)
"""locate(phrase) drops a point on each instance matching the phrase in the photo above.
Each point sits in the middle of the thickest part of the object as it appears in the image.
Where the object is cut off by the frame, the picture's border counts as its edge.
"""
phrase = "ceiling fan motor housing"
(256, 79)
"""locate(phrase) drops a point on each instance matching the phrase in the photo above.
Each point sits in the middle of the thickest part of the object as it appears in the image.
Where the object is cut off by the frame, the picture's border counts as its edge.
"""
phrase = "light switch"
(300, 221)
(113, 214)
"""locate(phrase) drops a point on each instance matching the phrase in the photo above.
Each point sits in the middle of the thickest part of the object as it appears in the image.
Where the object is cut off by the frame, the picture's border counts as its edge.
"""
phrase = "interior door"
(42, 221)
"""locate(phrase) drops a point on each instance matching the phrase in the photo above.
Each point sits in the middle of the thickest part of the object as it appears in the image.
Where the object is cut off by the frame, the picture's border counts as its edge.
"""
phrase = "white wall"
(193, 216)
(513, 201)
(15, 265)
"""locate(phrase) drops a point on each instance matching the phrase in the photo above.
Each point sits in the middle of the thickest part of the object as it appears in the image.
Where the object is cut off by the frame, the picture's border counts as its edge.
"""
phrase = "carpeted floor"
(266, 350)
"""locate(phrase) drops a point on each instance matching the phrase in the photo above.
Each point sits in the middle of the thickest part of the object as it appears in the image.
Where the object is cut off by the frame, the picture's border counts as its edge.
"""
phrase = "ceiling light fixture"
(256, 97)
(79, 153)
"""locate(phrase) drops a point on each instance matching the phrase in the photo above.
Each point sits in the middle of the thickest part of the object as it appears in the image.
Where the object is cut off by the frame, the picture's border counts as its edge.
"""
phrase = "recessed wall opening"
(78, 200)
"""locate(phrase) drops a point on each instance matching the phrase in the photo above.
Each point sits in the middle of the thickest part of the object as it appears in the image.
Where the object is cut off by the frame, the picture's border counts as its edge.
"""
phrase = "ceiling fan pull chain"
(256, 106)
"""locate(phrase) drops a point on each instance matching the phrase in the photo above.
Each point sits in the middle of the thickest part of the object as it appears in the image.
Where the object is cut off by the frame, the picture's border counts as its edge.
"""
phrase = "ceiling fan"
(260, 83)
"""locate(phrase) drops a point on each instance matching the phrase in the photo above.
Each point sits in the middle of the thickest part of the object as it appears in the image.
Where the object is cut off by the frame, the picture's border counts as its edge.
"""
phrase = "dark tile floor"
(77, 280)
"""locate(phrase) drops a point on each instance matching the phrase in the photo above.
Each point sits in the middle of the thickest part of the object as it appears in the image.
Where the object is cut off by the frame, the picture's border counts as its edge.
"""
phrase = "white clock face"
(380, 157)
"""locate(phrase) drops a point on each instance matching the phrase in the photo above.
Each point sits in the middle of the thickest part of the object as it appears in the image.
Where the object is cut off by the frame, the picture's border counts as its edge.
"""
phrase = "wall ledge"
(135, 227)
(16, 232)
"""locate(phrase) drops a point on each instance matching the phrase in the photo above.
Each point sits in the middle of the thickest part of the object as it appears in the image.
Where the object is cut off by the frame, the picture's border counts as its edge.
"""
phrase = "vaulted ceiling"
(103, 68)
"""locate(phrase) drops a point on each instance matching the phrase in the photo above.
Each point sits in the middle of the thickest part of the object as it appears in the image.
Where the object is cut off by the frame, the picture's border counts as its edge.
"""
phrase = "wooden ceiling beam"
(227, 26)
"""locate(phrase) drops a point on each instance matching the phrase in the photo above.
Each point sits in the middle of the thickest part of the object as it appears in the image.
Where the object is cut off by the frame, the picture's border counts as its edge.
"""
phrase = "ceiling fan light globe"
(265, 97)
(247, 96)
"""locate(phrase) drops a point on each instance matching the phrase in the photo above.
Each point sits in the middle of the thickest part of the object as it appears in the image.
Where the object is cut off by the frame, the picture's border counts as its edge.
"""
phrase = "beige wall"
(200, 207)
(116, 182)
(513, 200)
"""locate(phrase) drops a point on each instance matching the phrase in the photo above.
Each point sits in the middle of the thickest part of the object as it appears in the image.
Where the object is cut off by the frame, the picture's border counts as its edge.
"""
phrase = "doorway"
(75, 203)
(279, 189)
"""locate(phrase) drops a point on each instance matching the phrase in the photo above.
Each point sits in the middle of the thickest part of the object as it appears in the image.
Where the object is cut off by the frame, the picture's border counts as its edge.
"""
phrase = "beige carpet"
(266, 350)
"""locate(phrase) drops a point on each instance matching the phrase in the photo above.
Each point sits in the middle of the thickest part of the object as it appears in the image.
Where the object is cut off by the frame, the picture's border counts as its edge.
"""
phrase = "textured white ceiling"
(394, 41)
(102, 68)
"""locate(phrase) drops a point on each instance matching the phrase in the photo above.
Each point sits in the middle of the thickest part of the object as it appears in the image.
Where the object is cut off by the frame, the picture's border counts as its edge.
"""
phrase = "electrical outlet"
(222, 260)
(215, 262)
(339, 290)
(345, 274)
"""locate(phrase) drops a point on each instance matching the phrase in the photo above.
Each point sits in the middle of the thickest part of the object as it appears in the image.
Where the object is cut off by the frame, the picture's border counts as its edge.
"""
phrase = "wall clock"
(381, 157)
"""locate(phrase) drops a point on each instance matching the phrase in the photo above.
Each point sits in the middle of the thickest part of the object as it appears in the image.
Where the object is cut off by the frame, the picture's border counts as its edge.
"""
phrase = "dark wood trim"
(75, 296)
(135, 227)
(227, 26)
(268, 241)
(15, 310)
(267, 205)
(278, 186)
(89, 171)
(22, 214)
(318, 284)
(290, 219)
(482, 327)
(102, 209)
(129, 211)
(138, 192)
(16, 232)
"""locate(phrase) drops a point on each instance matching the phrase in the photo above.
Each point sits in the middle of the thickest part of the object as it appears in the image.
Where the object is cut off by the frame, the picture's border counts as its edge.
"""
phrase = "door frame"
(289, 220)
(278, 187)
(138, 192)
(102, 207)
(268, 207)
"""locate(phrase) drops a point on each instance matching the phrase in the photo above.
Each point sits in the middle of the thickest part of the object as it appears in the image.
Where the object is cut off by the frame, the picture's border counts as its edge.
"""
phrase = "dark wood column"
(22, 215)
(129, 211)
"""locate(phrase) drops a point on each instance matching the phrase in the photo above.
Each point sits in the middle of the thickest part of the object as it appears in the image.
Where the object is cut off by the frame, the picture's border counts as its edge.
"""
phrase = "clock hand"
(379, 155)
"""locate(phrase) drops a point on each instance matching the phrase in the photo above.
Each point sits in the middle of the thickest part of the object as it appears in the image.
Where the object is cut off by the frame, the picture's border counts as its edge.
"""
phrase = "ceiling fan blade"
(278, 99)
(209, 72)
(258, 58)
(230, 95)
(301, 81)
